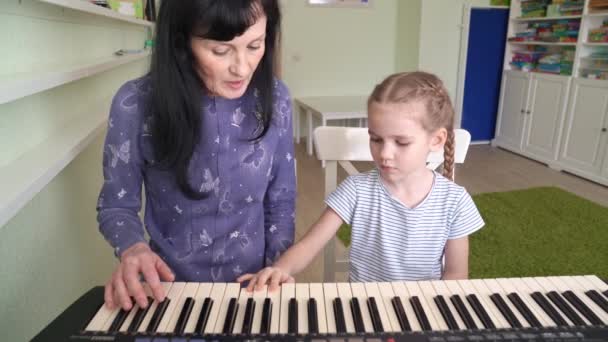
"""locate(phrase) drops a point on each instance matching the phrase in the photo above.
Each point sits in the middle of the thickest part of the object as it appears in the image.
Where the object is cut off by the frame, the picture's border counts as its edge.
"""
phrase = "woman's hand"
(273, 276)
(125, 282)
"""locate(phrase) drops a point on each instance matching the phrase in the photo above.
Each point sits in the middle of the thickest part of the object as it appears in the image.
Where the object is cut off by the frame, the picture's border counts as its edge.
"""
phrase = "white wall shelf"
(16, 86)
(88, 7)
(25, 177)
(547, 18)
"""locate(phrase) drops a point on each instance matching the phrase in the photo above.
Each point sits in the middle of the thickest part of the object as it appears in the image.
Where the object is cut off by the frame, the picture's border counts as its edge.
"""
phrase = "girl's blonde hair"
(407, 87)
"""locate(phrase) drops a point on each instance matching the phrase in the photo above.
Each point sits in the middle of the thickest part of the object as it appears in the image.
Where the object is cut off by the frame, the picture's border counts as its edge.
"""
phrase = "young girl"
(408, 222)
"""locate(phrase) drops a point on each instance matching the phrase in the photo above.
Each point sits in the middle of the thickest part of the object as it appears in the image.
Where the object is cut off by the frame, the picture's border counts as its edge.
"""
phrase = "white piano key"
(599, 284)
(302, 295)
(129, 319)
(414, 290)
(110, 319)
(386, 292)
(400, 290)
(203, 291)
(372, 290)
(275, 320)
(240, 314)
(483, 294)
(442, 289)
(428, 293)
(258, 296)
(189, 290)
(358, 291)
(316, 292)
(174, 294)
(217, 295)
(536, 287)
(232, 291)
(331, 292)
(100, 318)
(495, 287)
(345, 295)
(288, 291)
(144, 324)
(548, 286)
(570, 283)
(525, 293)
(455, 289)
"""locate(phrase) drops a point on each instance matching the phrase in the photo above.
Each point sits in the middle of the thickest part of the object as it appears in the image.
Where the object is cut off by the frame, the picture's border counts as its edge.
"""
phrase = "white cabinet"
(584, 149)
(531, 114)
(545, 116)
(511, 112)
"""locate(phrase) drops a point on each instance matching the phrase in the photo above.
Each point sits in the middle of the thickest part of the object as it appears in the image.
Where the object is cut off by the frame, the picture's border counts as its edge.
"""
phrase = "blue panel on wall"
(487, 36)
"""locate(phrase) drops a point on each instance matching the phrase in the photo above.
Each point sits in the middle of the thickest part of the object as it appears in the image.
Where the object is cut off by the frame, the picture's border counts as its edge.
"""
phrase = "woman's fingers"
(121, 294)
(134, 287)
(151, 276)
(164, 271)
(108, 295)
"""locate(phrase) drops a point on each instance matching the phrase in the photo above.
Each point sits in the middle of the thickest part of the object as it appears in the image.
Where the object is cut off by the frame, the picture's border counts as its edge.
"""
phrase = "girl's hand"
(273, 276)
(125, 282)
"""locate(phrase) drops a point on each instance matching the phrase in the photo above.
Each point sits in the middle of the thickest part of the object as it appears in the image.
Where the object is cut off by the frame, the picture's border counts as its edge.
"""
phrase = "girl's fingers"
(164, 270)
(244, 277)
(108, 295)
(151, 276)
(120, 292)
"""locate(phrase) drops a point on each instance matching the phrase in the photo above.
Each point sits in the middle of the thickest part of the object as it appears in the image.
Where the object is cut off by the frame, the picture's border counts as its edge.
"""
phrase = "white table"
(328, 108)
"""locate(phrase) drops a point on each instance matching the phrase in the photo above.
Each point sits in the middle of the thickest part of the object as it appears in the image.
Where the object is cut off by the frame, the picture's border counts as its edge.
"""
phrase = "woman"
(208, 133)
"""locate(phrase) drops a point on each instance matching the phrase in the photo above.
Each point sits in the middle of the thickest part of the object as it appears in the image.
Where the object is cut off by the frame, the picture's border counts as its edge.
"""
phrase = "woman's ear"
(438, 139)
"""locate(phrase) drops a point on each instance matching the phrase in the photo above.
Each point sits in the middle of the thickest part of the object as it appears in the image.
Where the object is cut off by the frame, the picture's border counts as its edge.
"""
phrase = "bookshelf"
(554, 94)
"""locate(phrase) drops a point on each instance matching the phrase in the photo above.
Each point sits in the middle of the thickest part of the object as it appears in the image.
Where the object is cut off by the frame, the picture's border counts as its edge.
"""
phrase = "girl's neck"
(413, 188)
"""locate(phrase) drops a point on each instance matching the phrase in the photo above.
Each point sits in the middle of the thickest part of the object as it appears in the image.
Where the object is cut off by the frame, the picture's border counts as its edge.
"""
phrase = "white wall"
(440, 32)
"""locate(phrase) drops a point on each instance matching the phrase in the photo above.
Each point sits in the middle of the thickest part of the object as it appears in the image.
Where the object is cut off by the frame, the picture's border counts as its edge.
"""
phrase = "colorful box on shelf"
(132, 8)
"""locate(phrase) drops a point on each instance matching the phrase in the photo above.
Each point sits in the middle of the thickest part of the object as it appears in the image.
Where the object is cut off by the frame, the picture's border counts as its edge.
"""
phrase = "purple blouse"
(247, 219)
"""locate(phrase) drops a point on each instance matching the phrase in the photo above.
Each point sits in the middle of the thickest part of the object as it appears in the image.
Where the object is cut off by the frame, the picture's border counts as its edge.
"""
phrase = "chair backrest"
(342, 145)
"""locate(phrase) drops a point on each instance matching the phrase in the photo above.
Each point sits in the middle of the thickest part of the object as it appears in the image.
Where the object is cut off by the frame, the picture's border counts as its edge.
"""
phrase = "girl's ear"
(438, 139)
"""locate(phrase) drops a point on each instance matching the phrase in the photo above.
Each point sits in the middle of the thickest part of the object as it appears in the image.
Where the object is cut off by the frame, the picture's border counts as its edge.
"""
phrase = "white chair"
(342, 145)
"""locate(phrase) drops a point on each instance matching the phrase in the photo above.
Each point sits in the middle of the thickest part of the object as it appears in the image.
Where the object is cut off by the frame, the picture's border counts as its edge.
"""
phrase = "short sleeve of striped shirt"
(466, 218)
(344, 199)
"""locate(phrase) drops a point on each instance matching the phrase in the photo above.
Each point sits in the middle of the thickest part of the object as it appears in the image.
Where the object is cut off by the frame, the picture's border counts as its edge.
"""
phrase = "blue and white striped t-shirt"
(390, 241)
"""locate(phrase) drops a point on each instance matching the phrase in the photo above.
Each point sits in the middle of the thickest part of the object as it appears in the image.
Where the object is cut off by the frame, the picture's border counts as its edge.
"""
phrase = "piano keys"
(422, 310)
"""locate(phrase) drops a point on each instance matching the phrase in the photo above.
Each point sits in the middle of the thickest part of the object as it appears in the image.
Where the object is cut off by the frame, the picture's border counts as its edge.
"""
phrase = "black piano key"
(339, 316)
(540, 299)
(463, 312)
(524, 310)
(605, 293)
(505, 310)
(598, 299)
(582, 307)
(400, 312)
(565, 308)
(183, 316)
(248, 318)
(425, 325)
(266, 316)
(446, 313)
(233, 308)
(292, 319)
(355, 308)
(375, 315)
(480, 311)
(203, 317)
(119, 320)
(140, 314)
(313, 319)
(158, 315)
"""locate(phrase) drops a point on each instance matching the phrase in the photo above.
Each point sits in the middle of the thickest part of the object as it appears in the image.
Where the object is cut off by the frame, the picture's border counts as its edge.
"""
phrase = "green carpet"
(536, 232)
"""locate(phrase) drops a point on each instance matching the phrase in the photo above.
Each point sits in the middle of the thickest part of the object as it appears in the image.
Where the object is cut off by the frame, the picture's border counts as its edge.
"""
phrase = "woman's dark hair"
(177, 89)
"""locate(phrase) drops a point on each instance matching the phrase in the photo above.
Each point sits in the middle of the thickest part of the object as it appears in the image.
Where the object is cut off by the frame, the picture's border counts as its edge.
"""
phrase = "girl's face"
(398, 142)
(226, 67)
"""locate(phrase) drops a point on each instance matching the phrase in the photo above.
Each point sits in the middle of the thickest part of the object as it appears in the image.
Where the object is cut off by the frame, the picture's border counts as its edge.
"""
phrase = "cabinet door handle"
(528, 112)
(523, 111)
(604, 129)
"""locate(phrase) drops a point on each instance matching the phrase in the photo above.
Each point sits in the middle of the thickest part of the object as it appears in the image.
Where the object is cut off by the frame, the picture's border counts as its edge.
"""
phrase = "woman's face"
(226, 67)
